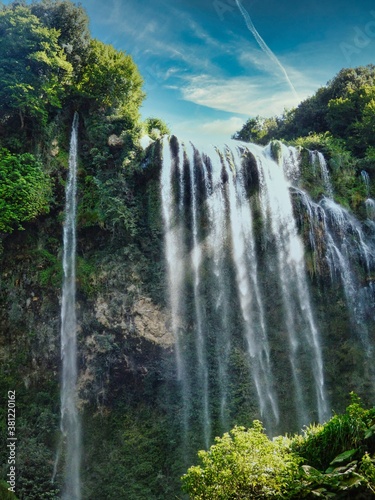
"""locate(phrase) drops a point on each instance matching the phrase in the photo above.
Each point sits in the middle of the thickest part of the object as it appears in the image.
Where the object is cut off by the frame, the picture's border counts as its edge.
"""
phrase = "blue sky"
(205, 73)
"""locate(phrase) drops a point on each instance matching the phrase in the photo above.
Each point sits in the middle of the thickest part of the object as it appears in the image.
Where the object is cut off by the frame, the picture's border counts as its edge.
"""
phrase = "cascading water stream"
(174, 253)
(216, 288)
(196, 261)
(370, 202)
(70, 422)
(317, 158)
(251, 303)
(217, 241)
(278, 215)
(345, 243)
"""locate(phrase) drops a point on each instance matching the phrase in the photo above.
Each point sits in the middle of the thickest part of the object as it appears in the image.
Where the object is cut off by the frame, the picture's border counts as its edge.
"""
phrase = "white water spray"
(251, 302)
(70, 422)
(278, 213)
(175, 268)
(196, 260)
(264, 46)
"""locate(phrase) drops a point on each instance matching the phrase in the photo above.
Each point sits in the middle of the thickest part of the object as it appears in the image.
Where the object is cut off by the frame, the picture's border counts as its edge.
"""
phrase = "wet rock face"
(142, 318)
(124, 336)
(151, 323)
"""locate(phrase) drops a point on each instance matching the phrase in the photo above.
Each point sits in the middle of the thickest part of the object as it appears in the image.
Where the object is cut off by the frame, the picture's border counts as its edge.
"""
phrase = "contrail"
(264, 46)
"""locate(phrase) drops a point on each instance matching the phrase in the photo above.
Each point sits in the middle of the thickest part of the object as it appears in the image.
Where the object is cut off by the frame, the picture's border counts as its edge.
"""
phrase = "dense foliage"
(49, 67)
(49, 62)
(243, 463)
(25, 190)
(333, 460)
(344, 108)
(34, 71)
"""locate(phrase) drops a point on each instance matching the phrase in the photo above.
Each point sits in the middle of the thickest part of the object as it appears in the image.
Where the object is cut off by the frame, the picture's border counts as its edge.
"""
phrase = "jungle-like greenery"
(50, 67)
(331, 460)
(339, 121)
(340, 114)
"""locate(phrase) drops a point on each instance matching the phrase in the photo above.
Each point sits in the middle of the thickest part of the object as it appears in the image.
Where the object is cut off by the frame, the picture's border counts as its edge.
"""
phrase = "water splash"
(70, 422)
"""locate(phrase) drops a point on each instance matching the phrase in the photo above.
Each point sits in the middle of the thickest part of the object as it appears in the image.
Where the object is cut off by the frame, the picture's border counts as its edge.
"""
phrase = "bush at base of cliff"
(243, 464)
(246, 464)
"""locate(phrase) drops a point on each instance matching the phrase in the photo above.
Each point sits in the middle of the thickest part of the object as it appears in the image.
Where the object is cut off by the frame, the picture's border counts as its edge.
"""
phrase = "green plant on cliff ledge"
(25, 190)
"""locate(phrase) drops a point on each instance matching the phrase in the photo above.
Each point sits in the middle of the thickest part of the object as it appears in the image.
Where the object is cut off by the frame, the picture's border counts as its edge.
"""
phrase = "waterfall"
(369, 202)
(196, 261)
(346, 246)
(218, 240)
(245, 261)
(366, 181)
(318, 158)
(302, 330)
(224, 210)
(70, 422)
(174, 253)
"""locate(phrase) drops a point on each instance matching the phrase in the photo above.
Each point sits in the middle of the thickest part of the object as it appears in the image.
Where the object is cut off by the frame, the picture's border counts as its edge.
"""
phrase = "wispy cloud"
(248, 96)
(202, 131)
(226, 126)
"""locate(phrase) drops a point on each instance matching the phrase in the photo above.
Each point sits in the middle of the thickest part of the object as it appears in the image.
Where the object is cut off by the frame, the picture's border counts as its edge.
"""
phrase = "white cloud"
(227, 127)
(201, 131)
(241, 95)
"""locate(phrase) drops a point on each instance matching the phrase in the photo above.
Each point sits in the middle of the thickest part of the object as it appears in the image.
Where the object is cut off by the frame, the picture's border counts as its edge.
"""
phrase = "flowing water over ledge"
(238, 282)
(70, 423)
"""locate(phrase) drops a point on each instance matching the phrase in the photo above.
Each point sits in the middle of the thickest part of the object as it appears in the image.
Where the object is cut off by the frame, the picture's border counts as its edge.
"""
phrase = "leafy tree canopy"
(111, 78)
(345, 108)
(155, 128)
(33, 67)
(72, 23)
(242, 464)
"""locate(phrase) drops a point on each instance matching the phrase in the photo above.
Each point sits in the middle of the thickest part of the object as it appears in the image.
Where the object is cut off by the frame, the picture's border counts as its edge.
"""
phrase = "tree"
(331, 460)
(25, 190)
(72, 23)
(243, 464)
(259, 130)
(33, 68)
(111, 79)
(345, 108)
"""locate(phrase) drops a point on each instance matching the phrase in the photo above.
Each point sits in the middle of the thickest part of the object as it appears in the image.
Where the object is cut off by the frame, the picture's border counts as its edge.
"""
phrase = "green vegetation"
(345, 108)
(25, 190)
(339, 121)
(34, 70)
(332, 460)
(156, 128)
(49, 68)
(243, 464)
